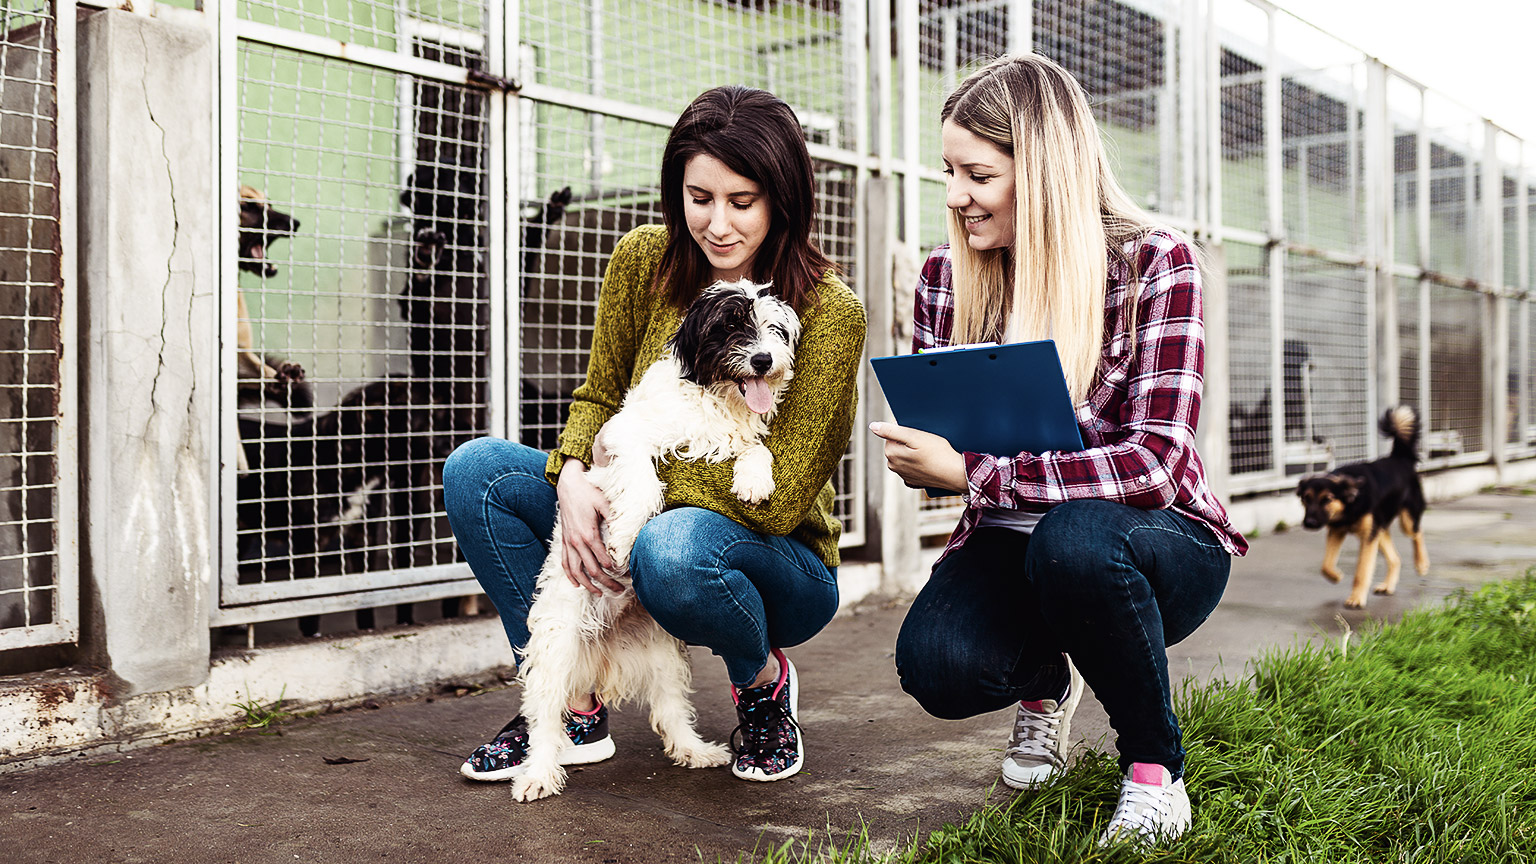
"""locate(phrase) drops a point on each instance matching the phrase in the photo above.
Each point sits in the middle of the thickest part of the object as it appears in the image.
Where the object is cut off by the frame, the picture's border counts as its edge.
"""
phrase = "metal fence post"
(1495, 309)
(1214, 435)
(1380, 249)
(892, 508)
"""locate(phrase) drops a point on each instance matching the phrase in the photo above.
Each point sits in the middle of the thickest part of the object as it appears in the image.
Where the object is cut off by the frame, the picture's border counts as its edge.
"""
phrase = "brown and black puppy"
(1363, 498)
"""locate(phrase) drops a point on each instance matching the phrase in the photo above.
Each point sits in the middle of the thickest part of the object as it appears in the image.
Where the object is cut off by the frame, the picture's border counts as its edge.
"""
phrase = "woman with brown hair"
(738, 201)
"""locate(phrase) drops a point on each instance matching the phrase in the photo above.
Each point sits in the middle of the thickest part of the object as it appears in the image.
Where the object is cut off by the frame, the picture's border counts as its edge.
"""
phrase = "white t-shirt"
(1014, 520)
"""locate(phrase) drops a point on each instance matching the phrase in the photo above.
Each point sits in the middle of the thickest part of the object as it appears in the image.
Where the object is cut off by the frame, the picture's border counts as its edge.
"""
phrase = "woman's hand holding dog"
(583, 509)
(921, 459)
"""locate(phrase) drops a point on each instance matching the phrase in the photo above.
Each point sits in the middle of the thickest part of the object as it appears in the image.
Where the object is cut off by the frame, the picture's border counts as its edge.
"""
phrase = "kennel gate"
(379, 127)
(39, 469)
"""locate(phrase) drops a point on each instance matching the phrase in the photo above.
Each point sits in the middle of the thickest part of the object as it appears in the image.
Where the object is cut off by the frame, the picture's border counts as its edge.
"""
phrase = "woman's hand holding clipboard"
(922, 460)
(996, 399)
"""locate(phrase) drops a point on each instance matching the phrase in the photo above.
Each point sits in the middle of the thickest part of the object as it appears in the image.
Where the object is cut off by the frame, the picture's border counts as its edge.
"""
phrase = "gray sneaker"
(1037, 750)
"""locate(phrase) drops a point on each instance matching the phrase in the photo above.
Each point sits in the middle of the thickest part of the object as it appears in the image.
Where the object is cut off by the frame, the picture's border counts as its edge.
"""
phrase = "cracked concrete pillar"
(148, 280)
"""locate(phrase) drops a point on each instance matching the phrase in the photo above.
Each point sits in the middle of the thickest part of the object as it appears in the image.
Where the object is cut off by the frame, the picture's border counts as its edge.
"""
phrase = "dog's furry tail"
(1401, 424)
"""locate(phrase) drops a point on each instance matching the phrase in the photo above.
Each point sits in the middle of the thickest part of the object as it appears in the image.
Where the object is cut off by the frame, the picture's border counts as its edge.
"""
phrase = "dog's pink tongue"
(756, 392)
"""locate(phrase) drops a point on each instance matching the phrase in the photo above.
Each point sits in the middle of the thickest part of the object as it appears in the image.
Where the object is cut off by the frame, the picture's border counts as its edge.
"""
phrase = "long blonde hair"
(1071, 216)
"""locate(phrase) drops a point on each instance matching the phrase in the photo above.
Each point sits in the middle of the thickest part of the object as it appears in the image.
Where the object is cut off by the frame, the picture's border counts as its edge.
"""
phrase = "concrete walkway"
(874, 758)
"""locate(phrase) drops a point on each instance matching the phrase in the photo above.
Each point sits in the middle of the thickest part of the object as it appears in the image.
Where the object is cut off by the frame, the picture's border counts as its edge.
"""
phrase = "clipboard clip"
(943, 348)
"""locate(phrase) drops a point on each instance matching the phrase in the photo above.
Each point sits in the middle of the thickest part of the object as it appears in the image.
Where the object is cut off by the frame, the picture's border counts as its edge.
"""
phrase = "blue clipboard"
(995, 399)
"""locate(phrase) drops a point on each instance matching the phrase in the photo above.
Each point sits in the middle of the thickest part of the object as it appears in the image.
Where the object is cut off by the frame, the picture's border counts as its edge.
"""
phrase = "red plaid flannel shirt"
(1138, 424)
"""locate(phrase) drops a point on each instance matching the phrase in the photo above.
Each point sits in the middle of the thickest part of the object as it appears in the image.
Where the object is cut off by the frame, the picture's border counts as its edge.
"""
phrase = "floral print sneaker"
(770, 745)
(502, 758)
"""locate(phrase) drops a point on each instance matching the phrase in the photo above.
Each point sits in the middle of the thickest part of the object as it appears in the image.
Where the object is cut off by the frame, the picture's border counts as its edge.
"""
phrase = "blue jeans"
(1108, 584)
(706, 579)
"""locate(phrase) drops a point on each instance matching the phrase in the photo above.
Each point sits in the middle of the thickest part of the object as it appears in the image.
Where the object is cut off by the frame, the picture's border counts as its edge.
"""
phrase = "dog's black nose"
(762, 362)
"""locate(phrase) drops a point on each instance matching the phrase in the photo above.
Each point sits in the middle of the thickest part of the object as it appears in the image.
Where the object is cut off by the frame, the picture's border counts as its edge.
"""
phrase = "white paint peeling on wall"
(141, 524)
(191, 516)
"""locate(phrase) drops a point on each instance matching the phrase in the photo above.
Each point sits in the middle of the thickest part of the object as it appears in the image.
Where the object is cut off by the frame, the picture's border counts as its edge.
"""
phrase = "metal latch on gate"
(487, 81)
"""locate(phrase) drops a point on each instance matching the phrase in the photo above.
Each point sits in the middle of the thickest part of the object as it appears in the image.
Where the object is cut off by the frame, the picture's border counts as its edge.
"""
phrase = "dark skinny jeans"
(1108, 584)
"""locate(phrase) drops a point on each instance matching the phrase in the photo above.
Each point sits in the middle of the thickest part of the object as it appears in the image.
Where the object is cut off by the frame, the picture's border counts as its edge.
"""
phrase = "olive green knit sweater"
(808, 436)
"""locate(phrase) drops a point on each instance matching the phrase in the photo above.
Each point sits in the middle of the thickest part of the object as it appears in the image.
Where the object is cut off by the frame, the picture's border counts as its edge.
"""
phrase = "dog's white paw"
(1334, 577)
(1353, 603)
(752, 490)
(752, 479)
(532, 787)
(702, 755)
(1382, 589)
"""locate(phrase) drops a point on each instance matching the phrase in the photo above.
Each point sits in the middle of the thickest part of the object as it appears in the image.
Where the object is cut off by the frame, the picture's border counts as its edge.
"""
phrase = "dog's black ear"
(1349, 487)
(685, 342)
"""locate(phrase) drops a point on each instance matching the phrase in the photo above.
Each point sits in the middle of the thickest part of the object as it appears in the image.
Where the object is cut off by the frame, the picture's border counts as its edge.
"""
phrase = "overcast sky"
(1479, 52)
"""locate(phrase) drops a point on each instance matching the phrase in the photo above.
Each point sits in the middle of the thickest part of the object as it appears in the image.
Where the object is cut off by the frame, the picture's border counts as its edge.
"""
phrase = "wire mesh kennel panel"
(838, 225)
(1250, 373)
(1405, 106)
(1514, 393)
(1125, 57)
(954, 38)
(1241, 161)
(659, 54)
(1326, 409)
(1321, 149)
(365, 251)
(1413, 344)
(1454, 162)
(1511, 274)
(1457, 383)
(39, 576)
(607, 78)
(1527, 366)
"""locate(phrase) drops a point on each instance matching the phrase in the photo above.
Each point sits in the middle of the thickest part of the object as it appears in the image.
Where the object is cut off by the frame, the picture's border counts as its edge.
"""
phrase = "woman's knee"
(933, 673)
(471, 468)
(496, 472)
(470, 462)
(670, 540)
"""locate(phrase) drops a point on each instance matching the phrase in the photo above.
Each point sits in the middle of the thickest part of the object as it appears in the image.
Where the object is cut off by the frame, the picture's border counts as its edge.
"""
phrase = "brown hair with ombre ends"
(756, 135)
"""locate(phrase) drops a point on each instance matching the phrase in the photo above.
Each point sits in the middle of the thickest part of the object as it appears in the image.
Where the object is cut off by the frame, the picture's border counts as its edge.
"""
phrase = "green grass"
(1414, 742)
(263, 716)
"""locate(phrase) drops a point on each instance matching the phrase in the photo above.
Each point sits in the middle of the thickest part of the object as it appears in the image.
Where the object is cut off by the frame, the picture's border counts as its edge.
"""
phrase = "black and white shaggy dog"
(710, 397)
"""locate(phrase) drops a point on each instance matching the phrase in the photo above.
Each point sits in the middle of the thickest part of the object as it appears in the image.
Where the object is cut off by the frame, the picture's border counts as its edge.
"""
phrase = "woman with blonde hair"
(1065, 567)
